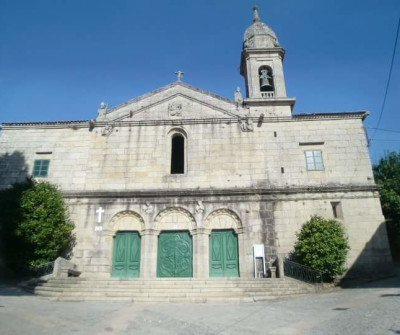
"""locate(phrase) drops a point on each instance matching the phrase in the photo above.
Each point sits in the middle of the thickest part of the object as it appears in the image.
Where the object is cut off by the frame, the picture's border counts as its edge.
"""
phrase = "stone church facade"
(181, 182)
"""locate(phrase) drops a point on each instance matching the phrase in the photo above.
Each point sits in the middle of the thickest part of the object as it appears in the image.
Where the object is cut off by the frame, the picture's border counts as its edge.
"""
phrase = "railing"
(268, 94)
(301, 272)
(43, 269)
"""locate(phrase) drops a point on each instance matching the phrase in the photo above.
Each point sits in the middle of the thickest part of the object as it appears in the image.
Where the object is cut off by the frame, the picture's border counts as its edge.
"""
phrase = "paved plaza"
(372, 308)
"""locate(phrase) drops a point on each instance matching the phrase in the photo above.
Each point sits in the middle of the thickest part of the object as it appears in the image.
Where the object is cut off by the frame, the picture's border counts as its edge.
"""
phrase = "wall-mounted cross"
(99, 211)
(180, 75)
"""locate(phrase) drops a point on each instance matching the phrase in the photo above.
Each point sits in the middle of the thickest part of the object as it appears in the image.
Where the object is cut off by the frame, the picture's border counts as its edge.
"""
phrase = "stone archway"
(174, 218)
(125, 229)
(223, 218)
(175, 246)
(126, 220)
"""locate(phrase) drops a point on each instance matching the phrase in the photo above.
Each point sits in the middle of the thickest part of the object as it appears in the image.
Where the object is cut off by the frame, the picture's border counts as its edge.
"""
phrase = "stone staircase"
(168, 289)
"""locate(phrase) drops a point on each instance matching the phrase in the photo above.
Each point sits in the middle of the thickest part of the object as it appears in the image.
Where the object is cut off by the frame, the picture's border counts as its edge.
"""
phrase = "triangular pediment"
(175, 101)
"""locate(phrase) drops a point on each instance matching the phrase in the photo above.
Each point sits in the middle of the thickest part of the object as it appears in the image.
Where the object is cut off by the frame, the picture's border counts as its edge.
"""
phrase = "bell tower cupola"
(261, 65)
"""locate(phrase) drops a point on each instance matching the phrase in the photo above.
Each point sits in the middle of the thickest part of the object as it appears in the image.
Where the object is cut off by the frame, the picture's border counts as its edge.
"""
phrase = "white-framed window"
(314, 161)
(41, 168)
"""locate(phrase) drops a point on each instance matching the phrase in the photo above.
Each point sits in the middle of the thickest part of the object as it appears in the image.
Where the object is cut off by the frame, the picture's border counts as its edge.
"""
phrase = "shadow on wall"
(13, 169)
(374, 261)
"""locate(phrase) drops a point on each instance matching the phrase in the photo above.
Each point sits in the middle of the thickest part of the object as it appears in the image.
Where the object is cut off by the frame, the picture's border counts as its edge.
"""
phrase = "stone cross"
(180, 75)
(99, 211)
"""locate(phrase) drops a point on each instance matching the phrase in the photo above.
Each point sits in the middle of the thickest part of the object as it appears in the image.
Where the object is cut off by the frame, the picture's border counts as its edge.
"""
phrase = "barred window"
(41, 168)
(314, 160)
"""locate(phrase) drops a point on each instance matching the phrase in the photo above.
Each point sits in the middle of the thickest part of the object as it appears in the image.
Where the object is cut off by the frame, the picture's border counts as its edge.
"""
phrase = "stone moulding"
(116, 222)
(147, 95)
(234, 221)
(221, 192)
(171, 98)
(188, 223)
(85, 123)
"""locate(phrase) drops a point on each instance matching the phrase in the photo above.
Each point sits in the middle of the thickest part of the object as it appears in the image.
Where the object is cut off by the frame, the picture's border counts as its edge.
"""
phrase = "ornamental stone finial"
(256, 16)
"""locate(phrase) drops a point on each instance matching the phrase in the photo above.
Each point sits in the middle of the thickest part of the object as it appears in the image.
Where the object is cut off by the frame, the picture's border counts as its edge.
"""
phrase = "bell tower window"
(178, 154)
(266, 79)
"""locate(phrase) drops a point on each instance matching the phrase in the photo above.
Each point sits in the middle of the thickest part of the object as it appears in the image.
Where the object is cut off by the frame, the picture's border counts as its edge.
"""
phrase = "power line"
(382, 140)
(380, 129)
(388, 81)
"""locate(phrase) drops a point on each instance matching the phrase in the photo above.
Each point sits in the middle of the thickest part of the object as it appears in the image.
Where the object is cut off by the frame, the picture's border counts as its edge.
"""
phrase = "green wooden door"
(126, 255)
(174, 254)
(224, 260)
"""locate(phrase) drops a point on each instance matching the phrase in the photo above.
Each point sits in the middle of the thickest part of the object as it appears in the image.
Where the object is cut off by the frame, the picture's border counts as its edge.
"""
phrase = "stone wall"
(250, 218)
(219, 155)
(361, 216)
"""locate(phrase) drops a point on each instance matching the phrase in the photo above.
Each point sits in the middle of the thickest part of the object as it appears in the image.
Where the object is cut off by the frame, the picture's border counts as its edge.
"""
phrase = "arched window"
(178, 154)
(266, 79)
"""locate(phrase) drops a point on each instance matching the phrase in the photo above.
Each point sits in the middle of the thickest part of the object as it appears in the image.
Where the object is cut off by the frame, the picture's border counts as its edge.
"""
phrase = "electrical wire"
(388, 130)
(388, 81)
(383, 140)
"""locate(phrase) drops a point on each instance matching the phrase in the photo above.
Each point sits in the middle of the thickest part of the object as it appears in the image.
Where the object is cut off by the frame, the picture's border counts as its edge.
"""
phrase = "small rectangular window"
(41, 168)
(337, 209)
(314, 160)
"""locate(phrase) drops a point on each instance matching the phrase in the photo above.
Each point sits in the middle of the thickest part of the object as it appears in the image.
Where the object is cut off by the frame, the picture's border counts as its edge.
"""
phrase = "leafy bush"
(387, 174)
(35, 225)
(322, 245)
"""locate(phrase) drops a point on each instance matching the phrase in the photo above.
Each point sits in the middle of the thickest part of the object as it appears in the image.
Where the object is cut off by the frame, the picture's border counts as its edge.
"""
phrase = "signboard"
(258, 250)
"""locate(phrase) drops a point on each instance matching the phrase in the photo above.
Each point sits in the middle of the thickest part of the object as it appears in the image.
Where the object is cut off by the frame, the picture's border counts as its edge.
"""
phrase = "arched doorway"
(175, 247)
(126, 254)
(126, 228)
(223, 243)
(224, 256)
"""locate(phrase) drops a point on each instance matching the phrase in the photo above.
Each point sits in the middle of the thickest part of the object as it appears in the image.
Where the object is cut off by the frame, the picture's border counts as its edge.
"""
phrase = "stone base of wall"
(271, 219)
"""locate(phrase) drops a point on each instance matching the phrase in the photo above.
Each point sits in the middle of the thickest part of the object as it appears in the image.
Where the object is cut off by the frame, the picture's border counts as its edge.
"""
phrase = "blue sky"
(59, 59)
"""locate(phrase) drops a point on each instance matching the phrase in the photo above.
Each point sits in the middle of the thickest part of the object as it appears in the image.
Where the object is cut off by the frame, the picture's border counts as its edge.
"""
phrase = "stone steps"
(168, 290)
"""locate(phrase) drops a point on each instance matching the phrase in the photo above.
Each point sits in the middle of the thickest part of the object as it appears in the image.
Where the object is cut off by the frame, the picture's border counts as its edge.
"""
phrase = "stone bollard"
(281, 271)
(61, 267)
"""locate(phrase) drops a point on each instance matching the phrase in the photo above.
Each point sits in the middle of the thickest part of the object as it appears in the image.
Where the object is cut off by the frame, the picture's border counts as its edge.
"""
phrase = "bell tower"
(262, 67)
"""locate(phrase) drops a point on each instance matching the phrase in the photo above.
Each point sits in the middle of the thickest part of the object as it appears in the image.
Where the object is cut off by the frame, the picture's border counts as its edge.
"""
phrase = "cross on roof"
(180, 75)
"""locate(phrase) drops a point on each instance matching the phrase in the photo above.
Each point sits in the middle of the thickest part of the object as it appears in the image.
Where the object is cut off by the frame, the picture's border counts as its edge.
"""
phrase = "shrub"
(322, 245)
(36, 225)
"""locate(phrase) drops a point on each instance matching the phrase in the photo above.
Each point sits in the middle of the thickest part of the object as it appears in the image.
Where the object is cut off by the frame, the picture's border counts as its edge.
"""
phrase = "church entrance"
(224, 260)
(174, 254)
(126, 254)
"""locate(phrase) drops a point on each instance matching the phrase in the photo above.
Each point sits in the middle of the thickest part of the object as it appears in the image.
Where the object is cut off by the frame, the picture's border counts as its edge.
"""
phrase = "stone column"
(243, 256)
(148, 262)
(201, 252)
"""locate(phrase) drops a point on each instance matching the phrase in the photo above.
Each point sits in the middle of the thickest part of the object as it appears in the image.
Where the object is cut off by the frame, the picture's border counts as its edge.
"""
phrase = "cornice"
(86, 123)
(221, 192)
(279, 50)
(269, 102)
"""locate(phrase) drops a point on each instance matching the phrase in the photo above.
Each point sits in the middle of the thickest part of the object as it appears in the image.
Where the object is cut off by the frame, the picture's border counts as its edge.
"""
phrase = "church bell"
(265, 80)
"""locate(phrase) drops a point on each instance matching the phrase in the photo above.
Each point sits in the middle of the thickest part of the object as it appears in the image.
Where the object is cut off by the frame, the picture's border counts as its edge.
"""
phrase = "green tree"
(36, 227)
(387, 174)
(322, 245)
(14, 250)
